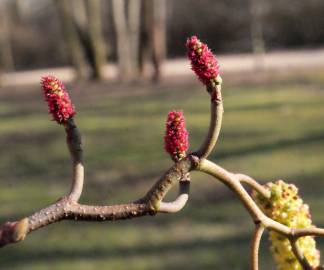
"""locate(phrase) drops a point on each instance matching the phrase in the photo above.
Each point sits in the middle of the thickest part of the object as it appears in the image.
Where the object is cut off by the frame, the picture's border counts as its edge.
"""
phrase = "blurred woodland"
(139, 34)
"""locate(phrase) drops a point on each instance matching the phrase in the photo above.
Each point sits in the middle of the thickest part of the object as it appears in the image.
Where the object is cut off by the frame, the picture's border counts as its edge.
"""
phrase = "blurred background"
(124, 65)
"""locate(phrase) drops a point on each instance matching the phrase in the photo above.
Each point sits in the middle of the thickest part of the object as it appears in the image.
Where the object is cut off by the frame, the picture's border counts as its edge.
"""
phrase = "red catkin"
(57, 98)
(176, 141)
(203, 62)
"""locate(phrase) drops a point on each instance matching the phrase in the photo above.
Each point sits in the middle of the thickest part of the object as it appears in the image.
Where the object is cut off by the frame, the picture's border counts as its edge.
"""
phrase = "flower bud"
(176, 136)
(57, 98)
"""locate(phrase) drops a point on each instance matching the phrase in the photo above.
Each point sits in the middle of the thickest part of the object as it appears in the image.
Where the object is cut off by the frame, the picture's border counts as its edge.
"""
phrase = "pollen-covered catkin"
(286, 207)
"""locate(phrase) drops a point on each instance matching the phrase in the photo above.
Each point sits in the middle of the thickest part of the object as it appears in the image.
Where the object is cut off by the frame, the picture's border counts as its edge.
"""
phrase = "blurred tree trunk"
(145, 46)
(87, 15)
(256, 10)
(6, 52)
(80, 13)
(123, 40)
(159, 37)
(134, 24)
(154, 40)
(97, 43)
(15, 10)
(71, 36)
(81, 23)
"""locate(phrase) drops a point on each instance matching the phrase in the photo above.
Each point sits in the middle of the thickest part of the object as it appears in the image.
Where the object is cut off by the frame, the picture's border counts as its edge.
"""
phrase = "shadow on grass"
(39, 138)
(15, 257)
(281, 144)
(274, 105)
(256, 107)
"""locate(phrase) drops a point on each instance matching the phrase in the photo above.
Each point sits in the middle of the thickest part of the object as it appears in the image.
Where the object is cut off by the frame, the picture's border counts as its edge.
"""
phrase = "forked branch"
(299, 255)
(259, 229)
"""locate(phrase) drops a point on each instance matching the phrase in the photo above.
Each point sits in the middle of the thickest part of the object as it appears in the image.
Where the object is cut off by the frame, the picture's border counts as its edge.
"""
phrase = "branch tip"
(20, 230)
(13, 232)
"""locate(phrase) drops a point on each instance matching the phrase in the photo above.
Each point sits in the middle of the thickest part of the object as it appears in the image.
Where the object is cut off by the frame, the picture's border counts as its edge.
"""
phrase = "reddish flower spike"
(203, 62)
(57, 98)
(176, 136)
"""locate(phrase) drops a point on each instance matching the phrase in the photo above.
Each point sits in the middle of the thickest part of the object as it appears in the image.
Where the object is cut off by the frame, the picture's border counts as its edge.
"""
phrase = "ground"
(273, 128)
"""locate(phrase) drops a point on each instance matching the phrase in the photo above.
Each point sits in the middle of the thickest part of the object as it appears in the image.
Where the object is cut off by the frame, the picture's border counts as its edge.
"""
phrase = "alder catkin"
(286, 207)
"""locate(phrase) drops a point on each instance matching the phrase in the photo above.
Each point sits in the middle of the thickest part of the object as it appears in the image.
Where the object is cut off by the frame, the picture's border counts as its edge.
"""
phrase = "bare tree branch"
(180, 202)
(253, 184)
(215, 124)
(73, 140)
(299, 255)
(258, 216)
(67, 207)
(13, 232)
(259, 229)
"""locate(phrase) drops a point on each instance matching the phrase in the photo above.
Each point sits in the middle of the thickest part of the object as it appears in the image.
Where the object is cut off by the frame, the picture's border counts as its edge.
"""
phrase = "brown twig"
(259, 229)
(179, 202)
(258, 216)
(68, 209)
(313, 231)
(215, 124)
(232, 182)
(73, 140)
(299, 255)
(253, 184)
(13, 232)
(175, 174)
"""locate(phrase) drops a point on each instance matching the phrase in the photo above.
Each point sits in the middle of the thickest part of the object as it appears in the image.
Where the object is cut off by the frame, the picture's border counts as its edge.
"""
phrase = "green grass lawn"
(273, 128)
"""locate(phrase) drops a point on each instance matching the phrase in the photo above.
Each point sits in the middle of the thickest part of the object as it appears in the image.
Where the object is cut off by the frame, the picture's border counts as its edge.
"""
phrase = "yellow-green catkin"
(286, 207)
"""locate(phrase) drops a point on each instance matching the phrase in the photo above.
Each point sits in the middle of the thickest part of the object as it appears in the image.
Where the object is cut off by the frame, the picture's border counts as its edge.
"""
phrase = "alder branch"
(258, 231)
(68, 209)
(73, 140)
(253, 184)
(215, 123)
(257, 215)
(234, 184)
(12, 232)
(179, 202)
(299, 255)
(176, 173)
(313, 231)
